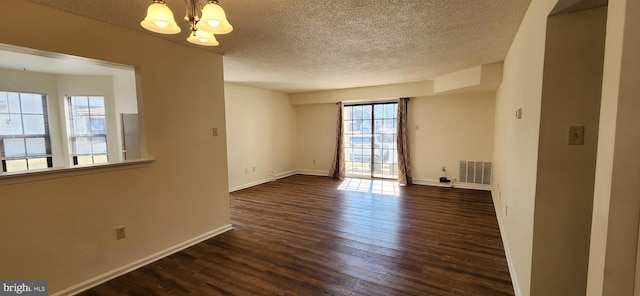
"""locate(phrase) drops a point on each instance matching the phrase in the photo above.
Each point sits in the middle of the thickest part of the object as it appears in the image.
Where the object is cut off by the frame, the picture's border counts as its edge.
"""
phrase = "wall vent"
(475, 172)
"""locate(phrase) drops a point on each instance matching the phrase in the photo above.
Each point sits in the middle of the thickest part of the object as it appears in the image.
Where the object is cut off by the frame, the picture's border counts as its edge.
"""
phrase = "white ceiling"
(303, 45)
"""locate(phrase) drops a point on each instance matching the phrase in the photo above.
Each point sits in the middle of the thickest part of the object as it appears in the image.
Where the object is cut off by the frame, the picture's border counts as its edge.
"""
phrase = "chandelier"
(204, 21)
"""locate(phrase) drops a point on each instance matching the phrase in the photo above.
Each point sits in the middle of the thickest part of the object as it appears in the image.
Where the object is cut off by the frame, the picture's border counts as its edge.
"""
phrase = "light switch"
(215, 131)
(576, 135)
(519, 113)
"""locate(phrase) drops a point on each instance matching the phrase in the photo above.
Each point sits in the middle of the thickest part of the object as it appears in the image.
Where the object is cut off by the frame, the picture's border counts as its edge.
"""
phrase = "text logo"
(24, 288)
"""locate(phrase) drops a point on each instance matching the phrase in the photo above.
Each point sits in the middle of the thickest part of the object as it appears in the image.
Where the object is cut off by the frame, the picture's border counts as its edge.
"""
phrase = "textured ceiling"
(303, 45)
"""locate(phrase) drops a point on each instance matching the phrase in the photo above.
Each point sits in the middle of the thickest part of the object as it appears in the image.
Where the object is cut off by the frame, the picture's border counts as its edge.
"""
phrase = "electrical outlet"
(120, 233)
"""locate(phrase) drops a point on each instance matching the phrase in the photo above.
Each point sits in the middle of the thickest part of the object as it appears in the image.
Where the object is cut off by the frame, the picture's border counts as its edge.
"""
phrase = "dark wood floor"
(303, 236)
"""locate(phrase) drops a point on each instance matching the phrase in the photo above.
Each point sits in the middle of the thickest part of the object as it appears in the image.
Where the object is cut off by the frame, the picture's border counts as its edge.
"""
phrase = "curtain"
(337, 166)
(404, 163)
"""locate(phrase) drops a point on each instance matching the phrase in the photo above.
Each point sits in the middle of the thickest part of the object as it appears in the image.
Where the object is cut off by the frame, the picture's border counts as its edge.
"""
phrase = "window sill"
(66, 172)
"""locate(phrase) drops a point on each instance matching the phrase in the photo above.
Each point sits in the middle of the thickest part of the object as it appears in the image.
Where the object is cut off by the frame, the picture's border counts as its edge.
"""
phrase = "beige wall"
(261, 134)
(316, 137)
(550, 260)
(365, 94)
(446, 129)
(450, 128)
(63, 230)
(572, 81)
(516, 141)
(616, 201)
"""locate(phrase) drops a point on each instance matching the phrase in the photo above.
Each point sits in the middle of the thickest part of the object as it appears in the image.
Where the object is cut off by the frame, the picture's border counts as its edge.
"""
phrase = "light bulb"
(161, 24)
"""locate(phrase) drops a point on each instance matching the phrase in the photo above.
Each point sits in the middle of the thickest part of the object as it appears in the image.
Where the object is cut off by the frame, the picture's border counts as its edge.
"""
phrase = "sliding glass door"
(370, 140)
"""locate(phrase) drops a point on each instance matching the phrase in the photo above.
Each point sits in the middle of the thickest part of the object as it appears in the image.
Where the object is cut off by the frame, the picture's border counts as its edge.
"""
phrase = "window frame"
(71, 121)
(48, 156)
(377, 142)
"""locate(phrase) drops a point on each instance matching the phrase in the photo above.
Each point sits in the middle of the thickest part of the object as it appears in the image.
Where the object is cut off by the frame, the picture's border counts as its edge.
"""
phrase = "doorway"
(370, 140)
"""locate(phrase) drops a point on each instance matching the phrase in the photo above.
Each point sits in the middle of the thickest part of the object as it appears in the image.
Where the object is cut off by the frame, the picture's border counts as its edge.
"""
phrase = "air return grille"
(475, 172)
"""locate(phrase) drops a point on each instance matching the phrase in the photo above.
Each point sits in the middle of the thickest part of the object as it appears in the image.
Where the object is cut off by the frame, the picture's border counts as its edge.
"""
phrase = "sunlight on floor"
(383, 187)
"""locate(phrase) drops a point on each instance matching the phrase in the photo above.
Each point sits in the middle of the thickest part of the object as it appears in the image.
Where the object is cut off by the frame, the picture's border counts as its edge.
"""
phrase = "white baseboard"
(473, 186)
(431, 183)
(452, 184)
(507, 252)
(245, 186)
(254, 183)
(88, 284)
(286, 174)
(313, 173)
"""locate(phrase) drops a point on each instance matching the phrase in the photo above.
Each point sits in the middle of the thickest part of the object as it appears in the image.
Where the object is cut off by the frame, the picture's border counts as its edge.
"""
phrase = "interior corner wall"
(516, 141)
(63, 230)
(571, 91)
(445, 129)
(261, 135)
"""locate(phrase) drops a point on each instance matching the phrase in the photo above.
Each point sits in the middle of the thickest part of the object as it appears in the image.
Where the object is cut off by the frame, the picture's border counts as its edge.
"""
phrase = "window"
(87, 129)
(24, 132)
(69, 111)
(370, 140)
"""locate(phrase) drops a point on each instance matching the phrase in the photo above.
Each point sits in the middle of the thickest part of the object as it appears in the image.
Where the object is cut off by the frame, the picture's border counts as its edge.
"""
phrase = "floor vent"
(475, 172)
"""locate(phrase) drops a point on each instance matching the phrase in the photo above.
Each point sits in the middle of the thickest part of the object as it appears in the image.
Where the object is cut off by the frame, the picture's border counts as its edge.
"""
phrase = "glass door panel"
(370, 140)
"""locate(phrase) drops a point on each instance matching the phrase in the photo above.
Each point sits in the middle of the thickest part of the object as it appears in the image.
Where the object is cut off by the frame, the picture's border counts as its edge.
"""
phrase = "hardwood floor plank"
(302, 235)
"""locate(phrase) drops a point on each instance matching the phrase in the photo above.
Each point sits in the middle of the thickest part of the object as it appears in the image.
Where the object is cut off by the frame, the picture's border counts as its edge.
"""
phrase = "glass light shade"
(200, 37)
(214, 20)
(160, 19)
